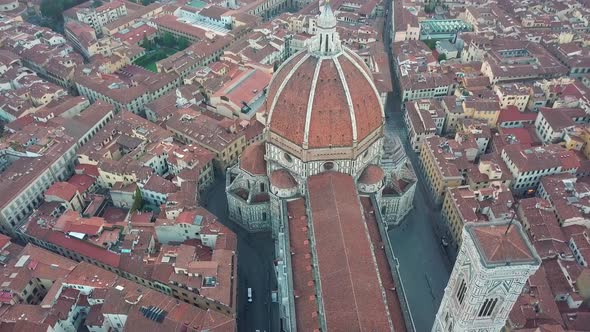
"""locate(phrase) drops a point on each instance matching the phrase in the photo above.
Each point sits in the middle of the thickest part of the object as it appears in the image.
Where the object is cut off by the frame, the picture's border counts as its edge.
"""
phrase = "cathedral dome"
(323, 96)
(372, 174)
(252, 159)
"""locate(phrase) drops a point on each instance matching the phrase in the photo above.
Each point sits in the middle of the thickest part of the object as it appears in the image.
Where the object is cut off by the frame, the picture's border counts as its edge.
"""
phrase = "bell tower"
(492, 267)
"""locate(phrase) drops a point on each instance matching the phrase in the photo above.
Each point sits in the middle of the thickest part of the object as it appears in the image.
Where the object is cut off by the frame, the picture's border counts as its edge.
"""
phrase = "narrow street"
(424, 262)
(255, 268)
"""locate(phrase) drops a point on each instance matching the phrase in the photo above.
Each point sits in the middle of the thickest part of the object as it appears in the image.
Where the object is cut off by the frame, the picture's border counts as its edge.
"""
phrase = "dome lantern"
(326, 41)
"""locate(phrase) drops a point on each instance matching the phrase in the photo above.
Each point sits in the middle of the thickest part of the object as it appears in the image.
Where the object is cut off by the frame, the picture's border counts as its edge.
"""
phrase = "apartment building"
(97, 17)
(35, 158)
(463, 204)
(444, 163)
(487, 110)
(513, 95)
(127, 150)
(220, 136)
(130, 88)
(529, 165)
(552, 124)
(424, 118)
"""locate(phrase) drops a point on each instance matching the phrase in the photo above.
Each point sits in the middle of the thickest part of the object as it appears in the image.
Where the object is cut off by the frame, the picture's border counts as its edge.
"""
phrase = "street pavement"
(255, 268)
(424, 263)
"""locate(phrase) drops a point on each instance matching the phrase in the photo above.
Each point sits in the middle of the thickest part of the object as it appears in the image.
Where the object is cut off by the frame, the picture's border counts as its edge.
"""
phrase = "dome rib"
(314, 84)
(365, 74)
(285, 81)
(348, 99)
(318, 102)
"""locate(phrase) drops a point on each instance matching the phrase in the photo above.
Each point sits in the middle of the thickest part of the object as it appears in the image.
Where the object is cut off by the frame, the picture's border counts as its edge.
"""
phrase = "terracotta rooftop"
(282, 179)
(160, 185)
(82, 181)
(372, 174)
(497, 246)
(252, 159)
(379, 248)
(306, 306)
(345, 101)
(63, 190)
(351, 290)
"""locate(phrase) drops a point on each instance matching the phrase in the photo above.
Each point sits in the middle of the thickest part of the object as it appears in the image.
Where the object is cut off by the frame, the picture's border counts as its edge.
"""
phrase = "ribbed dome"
(324, 96)
(318, 102)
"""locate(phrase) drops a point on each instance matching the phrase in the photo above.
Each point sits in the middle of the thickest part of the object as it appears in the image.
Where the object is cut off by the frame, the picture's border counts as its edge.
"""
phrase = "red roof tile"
(352, 292)
(512, 114)
(282, 179)
(331, 118)
(497, 246)
(63, 190)
(306, 307)
(83, 248)
(82, 181)
(252, 159)
(372, 174)
(379, 248)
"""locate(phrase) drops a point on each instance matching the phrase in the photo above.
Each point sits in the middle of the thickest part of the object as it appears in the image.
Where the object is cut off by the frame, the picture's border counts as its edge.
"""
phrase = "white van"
(249, 295)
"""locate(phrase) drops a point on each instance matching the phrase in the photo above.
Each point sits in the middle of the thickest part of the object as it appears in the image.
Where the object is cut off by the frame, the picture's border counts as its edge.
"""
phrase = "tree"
(182, 43)
(146, 43)
(431, 43)
(168, 40)
(429, 8)
(52, 9)
(96, 3)
(136, 200)
(442, 57)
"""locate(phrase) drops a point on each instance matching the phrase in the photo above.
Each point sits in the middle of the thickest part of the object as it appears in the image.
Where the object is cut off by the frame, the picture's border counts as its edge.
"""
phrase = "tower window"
(287, 157)
(461, 291)
(487, 308)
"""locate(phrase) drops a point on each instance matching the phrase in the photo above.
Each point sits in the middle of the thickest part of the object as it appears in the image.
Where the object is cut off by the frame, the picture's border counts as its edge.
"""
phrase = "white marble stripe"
(314, 83)
(283, 84)
(348, 98)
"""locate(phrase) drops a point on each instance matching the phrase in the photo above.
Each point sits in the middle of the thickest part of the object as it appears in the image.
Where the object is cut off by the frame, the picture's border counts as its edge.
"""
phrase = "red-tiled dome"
(252, 159)
(323, 101)
(371, 174)
(282, 179)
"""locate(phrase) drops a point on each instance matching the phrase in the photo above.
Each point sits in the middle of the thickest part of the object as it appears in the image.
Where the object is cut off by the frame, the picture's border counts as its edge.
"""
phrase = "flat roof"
(197, 3)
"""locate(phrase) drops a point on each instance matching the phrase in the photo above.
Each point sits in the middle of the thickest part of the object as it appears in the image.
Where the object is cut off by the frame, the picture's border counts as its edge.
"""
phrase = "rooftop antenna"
(512, 218)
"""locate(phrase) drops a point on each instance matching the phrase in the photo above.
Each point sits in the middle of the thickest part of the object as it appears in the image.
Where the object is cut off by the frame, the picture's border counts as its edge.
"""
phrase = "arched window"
(461, 291)
(487, 308)
(287, 157)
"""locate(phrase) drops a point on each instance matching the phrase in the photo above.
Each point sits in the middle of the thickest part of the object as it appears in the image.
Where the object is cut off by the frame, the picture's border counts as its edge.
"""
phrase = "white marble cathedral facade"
(277, 169)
